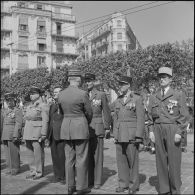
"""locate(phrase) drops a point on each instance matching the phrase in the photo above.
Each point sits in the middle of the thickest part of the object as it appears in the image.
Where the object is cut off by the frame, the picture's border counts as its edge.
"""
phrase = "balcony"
(5, 10)
(23, 33)
(41, 34)
(64, 36)
(101, 33)
(30, 11)
(64, 17)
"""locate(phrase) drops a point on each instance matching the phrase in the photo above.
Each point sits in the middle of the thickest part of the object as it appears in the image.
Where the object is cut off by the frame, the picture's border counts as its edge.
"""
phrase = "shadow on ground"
(35, 188)
(153, 181)
(48, 169)
(107, 173)
(142, 178)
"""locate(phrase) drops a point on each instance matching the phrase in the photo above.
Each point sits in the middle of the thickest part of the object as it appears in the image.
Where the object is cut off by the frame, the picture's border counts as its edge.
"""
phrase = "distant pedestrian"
(12, 125)
(53, 138)
(167, 123)
(35, 131)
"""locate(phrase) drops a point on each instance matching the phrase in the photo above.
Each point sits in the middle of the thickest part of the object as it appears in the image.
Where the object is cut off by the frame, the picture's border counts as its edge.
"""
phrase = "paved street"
(19, 185)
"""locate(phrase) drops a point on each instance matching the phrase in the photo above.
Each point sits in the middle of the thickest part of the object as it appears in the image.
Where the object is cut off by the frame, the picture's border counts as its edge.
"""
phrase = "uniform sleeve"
(106, 111)
(18, 122)
(149, 115)
(87, 108)
(45, 119)
(184, 114)
(49, 122)
(140, 112)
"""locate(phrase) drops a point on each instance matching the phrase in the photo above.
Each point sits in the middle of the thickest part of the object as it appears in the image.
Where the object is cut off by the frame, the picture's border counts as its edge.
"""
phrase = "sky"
(167, 23)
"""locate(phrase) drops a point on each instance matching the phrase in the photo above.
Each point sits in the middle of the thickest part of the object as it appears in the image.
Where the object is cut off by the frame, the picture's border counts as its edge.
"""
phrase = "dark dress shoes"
(86, 191)
(71, 190)
(120, 189)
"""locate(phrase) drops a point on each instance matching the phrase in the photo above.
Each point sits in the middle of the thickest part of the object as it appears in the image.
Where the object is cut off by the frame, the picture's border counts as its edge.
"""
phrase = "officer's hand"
(15, 139)
(114, 140)
(107, 134)
(177, 138)
(151, 136)
(42, 138)
(47, 143)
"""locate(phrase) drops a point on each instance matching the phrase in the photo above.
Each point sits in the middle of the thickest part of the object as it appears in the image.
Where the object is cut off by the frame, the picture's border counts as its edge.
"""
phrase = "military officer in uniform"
(35, 131)
(12, 125)
(77, 112)
(128, 134)
(99, 128)
(168, 120)
(53, 138)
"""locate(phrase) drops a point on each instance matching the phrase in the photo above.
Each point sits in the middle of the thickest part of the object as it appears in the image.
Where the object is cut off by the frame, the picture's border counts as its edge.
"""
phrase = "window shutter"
(23, 62)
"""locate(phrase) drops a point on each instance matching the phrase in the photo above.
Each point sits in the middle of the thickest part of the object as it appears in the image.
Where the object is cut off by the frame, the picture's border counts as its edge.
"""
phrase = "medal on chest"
(171, 104)
(96, 102)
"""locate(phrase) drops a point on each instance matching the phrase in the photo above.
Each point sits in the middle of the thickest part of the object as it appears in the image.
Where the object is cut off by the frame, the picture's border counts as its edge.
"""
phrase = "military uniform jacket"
(101, 113)
(12, 123)
(129, 118)
(55, 122)
(77, 112)
(36, 120)
(170, 109)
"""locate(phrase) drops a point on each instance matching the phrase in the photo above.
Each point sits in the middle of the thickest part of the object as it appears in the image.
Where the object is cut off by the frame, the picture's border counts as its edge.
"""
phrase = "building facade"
(112, 35)
(40, 34)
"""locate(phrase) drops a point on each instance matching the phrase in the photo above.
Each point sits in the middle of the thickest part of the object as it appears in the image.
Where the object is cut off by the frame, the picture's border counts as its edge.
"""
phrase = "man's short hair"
(76, 79)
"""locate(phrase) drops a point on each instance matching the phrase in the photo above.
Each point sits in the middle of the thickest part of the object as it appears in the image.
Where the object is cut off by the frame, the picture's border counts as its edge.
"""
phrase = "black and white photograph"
(97, 97)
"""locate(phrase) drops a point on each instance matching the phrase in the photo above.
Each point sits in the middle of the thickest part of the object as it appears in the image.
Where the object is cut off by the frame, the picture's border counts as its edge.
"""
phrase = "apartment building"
(112, 35)
(40, 34)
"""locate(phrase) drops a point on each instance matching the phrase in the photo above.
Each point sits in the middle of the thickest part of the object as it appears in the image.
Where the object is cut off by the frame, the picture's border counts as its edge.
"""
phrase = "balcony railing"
(100, 33)
(59, 16)
(23, 32)
(41, 34)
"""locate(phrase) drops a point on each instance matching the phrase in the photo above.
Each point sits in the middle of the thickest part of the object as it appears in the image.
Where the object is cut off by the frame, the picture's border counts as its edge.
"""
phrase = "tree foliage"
(143, 65)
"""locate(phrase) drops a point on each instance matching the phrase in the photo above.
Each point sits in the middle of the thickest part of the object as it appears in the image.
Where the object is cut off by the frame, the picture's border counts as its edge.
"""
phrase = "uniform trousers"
(36, 158)
(58, 158)
(96, 146)
(12, 153)
(128, 165)
(76, 153)
(168, 158)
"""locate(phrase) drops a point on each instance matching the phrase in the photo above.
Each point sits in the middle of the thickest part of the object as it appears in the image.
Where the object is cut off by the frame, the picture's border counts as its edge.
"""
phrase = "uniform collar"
(167, 94)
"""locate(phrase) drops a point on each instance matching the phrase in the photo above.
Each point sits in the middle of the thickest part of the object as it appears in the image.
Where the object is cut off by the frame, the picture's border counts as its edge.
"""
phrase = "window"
(23, 43)
(21, 4)
(58, 25)
(41, 44)
(119, 23)
(22, 62)
(41, 26)
(120, 47)
(119, 36)
(59, 45)
(23, 24)
(41, 61)
(39, 6)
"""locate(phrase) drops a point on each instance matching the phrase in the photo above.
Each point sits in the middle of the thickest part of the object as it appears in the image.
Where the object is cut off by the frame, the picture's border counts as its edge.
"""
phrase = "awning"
(41, 41)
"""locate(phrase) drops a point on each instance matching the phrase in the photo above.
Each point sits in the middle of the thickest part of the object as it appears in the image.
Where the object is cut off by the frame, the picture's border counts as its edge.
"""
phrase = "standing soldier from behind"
(35, 131)
(77, 112)
(128, 134)
(53, 138)
(168, 117)
(99, 128)
(12, 125)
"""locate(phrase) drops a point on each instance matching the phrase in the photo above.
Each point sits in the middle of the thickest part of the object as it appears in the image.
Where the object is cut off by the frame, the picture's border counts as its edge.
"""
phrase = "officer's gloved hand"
(15, 139)
(42, 138)
(107, 133)
(47, 142)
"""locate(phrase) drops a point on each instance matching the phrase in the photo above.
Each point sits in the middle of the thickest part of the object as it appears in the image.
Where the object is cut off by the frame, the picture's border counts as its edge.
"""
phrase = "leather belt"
(74, 115)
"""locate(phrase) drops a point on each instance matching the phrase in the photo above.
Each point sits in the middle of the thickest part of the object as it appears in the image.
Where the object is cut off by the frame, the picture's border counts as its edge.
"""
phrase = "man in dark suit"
(77, 112)
(99, 127)
(128, 132)
(53, 138)
(167, 122)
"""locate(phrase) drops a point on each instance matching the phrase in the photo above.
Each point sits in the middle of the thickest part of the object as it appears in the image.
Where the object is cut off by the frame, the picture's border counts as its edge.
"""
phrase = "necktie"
(163, 92)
